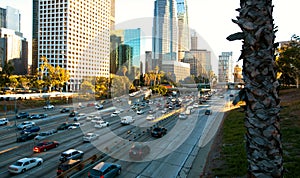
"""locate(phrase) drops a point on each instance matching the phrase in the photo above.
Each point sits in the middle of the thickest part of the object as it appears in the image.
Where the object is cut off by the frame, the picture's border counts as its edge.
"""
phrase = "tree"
(5, 73)
(263, 137)
(87, 87)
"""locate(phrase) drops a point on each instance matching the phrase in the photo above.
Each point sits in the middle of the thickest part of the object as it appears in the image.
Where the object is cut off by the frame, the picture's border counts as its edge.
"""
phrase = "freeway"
(173, 152)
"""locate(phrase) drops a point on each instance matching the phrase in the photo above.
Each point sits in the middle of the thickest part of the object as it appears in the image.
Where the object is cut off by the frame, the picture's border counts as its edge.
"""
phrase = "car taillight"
(36, 149)
(102, 176)
(89, 174)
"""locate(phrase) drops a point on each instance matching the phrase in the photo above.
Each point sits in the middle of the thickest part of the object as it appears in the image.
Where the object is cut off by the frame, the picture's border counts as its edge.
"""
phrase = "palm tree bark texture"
(263, 136)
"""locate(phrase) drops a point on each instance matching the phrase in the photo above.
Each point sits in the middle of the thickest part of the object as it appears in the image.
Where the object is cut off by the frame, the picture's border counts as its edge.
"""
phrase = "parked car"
(24, 164)
(208, 112)
(158, 131)
(22, 115)
(139, 151)
(4, 121)
(88, 137)
(62, 167)
(43, 135)
(101, 124)
(45, 145)
(25, 124)
(64, 110)
(31, 129)
(49, 106)
(63, 126)
(105, 169)
(26, 136)
(71, 154)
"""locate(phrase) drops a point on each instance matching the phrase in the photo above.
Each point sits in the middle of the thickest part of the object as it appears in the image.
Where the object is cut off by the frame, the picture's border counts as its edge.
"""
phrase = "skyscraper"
(225, 67)
(10, 18)
(183, 28)
(73, 34)
(165, 30)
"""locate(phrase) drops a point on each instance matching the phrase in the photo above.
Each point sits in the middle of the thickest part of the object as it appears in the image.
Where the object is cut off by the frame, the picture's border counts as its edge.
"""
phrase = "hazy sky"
(210, 18)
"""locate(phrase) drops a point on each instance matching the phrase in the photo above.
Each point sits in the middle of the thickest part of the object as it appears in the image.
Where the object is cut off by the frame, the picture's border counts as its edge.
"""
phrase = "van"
(127, 120)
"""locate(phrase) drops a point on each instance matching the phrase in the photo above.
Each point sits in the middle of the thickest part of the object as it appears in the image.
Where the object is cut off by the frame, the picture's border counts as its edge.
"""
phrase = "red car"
(45, 145)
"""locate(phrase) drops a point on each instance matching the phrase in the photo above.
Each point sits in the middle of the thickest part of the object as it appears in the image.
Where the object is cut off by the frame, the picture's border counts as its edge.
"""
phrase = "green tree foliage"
(288, 61)
(120, 85)
(87, 87)
(5, 73)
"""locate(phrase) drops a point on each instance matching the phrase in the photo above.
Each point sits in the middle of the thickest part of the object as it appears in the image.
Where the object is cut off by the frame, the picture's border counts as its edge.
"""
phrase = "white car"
(3, 121)
(150, 117)
(182, 116)
(80, 116)
(43, 135)
(24, 164)
(101, 124)
(50, 106)
(140, 111)
(164, 111)
(96, 119)
(195, 105)
(116, 113)
(25, 124)
(74, 125)
(88, 137)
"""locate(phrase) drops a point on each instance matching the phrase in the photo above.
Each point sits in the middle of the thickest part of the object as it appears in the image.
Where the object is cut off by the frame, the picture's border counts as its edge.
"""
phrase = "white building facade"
(75, 35)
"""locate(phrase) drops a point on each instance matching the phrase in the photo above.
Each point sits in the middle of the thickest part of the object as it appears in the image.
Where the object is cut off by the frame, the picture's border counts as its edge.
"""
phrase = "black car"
(31, 129)
(63, 126)
(64, 110)
(27, 136)
(23, 115)
(139, 151)
(62, 167)
(73, 114)
(105, 169)
(158, 132)
(208, 112)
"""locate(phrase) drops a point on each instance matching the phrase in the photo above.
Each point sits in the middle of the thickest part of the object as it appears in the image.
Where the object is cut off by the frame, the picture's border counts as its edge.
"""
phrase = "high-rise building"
(199, 59)
(112, 15)
(132, 38)
(194, 40)
(10, 18)
(225, 67)
(75, 35)
(183, 28)
(165, 30)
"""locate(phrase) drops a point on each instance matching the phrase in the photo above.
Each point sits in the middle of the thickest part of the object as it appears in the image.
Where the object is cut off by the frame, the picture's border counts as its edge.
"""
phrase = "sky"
(211, 19)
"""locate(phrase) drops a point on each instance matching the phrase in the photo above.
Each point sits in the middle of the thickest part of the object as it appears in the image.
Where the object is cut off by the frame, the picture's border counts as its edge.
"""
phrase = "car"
(43, 135)
(126, 120)
(34, 116)
(208, 112)
(151, 111)
(90, 104)
(101, 124)
(64, 110)
(4, 121)
(96, 119)
(49, 106)
(31, 129)
(24, 164)
(99, 106)
(26, 136)
(158, 131)
(22, 115)
(63, 126)
(64, 166)
(182, 116)
(139, 151)
(75, 125)
(71, 154)
(73, 114)
(116, 113)
(150, 117)
(43, 115)
(195, 105)
(140, 111)
(164, 111)
(25, 124)
(105, 169)
(88, 137)
(45, 145)
(79, 117)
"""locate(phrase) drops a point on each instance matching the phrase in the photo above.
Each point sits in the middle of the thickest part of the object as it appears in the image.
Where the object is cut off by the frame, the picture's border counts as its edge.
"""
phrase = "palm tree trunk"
(263, 137)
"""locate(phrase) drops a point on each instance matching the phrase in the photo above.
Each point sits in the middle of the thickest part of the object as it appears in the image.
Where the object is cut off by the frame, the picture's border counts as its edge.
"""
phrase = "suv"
(104, 169)
(3, 121)
(71, 154)
(62, 167)
(23, 115)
